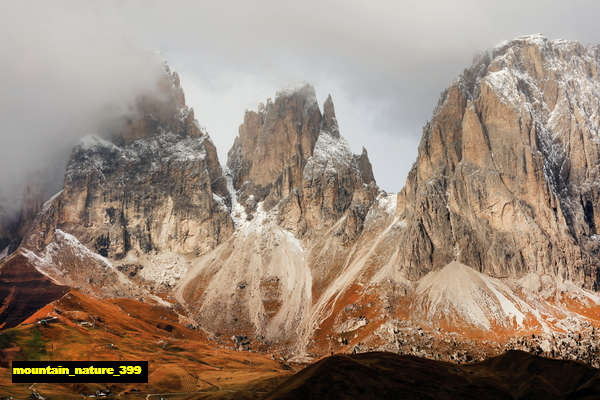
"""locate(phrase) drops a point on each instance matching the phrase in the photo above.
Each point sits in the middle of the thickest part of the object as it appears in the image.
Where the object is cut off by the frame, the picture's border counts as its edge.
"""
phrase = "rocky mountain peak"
(288, 148)
(301, 93)
(160, 109)
(364, 166)
(510, 157)
(295, 247)
(279, 135)
(330, 123)
(153, 187)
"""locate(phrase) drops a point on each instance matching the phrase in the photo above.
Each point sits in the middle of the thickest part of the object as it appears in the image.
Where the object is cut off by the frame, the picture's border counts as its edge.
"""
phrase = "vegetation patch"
(34, 347)
(8, 339)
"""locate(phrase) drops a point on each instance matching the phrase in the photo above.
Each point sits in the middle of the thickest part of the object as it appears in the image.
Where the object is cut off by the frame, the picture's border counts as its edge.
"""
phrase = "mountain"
(293, 248)
(507, 173)
(146, 199)
(295, 184)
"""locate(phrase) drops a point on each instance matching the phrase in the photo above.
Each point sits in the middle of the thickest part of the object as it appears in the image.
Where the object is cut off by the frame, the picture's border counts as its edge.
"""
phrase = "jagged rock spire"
(160, 109)
(365, 168)
(276, 139)
(330, 123)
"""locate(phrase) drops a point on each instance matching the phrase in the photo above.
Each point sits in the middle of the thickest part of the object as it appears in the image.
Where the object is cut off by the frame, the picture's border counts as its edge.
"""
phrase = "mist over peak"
(63, 77)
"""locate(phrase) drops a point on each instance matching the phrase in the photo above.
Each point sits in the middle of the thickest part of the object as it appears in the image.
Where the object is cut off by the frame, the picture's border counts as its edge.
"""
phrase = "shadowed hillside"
(24, 290)
(513, 375)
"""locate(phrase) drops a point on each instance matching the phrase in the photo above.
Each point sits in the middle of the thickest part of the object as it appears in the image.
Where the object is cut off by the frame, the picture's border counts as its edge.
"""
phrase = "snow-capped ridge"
(51, 263)
(97, 154)
(537, 39)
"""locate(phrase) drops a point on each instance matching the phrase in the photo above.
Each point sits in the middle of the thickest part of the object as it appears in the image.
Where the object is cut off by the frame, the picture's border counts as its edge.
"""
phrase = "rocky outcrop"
(162, 108)
(494, 233)
(295, 185)
(269, 154)
(152, 195)
(161, 193)
(506, 180)
(290, 155)
(330, 123)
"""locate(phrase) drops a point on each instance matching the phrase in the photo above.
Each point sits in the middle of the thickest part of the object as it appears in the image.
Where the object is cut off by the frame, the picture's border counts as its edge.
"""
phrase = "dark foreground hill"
(512, 375)
(24, 290)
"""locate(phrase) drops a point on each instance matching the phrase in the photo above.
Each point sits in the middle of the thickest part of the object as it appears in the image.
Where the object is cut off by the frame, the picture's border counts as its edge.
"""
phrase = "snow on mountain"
(90, 142)
(330, 155)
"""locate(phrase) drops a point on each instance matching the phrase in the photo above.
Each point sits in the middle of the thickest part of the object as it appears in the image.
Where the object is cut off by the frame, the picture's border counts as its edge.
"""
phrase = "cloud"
(384, 62)
(64, 75)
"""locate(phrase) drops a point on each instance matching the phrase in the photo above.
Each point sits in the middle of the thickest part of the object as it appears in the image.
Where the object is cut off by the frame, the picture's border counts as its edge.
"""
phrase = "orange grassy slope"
(181, 360)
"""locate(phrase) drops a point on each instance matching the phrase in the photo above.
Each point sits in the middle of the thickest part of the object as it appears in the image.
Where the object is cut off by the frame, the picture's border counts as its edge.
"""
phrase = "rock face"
(154, 190)
(506, 180)
(288, 151)
(273, 144)
(161, 109)
(295, 185)
(494, 233)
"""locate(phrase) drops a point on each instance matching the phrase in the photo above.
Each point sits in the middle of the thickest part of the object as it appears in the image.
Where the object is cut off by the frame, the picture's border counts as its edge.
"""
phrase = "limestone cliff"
(506, 180)
(290, 155)
(295, 185)
(145, 199)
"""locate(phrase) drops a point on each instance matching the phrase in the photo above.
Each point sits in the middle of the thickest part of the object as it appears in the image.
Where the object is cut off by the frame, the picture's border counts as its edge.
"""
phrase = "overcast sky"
(384, 62)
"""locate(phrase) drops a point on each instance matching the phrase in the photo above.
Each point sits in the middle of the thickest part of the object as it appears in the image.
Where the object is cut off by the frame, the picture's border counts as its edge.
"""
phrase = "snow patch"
(150, 152)
(90, 142)
(41, 264)
(220, 201)
(79, 249)
(330, 156)
(49, 264)
(388, 203)
(187, 150)
(238, 212)
(536, 39)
